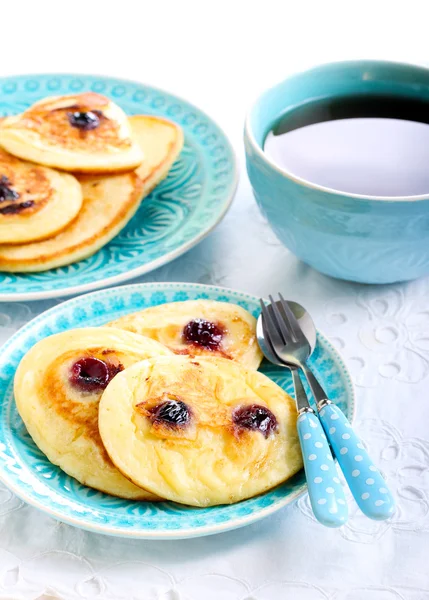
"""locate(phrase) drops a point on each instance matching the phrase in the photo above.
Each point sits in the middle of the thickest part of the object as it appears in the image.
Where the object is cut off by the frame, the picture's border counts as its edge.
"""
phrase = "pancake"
(58, 386)
(109, 202)
(85, 133)
(200, 432)
(199, 327)
(35, 202)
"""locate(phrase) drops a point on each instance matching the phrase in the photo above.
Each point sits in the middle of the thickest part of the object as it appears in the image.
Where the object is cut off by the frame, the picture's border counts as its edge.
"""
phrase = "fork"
(324, 488)
(364, 479)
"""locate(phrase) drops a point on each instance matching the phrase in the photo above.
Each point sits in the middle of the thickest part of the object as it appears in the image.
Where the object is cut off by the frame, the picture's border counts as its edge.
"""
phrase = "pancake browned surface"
(58, 386)
(199, 327)
(109, 202)
(35, 202)
(83, 132)
(199, 432)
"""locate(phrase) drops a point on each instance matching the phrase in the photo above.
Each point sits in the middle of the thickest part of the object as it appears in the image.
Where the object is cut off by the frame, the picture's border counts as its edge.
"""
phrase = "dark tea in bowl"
(363, 144)
(337, 157)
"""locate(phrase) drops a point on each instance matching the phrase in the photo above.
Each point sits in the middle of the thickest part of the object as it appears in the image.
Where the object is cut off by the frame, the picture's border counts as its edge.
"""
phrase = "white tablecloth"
(219, 55)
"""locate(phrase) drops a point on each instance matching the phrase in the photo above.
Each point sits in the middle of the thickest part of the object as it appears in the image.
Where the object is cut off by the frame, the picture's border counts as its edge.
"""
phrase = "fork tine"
(292, 321)
(270, 328)
(268, 340)
(282, 322)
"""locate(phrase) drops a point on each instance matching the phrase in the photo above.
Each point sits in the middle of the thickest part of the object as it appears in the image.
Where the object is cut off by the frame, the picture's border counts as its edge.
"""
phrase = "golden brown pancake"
(58, 386)
(199, 327)
(109, 202)
(83, 132)
(199, 431)
(35, 202)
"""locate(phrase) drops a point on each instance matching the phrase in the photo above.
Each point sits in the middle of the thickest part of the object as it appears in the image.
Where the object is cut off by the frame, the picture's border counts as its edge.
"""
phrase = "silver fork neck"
(317, 390)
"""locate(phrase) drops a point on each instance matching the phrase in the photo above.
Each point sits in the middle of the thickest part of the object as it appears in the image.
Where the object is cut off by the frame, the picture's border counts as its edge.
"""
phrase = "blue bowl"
(369, 239)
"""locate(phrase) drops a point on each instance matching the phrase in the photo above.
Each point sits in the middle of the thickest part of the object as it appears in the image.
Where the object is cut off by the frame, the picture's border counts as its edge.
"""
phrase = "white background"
(220, 55)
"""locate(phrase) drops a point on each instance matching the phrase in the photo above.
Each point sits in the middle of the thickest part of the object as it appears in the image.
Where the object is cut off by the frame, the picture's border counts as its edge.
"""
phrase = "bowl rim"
(249, 136)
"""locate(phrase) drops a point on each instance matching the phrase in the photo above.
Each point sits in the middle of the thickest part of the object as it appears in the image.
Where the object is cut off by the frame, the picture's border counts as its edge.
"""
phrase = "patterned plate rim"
(229, 525)
(162, 260)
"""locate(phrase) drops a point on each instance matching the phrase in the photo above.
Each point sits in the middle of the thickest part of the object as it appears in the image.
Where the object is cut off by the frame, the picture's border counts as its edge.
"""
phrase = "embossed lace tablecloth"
(220, 61)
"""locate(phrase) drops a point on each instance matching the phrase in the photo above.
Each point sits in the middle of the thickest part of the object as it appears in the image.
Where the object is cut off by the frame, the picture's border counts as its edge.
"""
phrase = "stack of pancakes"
(73, 171)
(166, 403)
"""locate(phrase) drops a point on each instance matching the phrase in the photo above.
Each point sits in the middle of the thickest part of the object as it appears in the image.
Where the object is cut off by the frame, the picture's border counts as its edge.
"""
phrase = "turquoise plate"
(178, 214)
(29, 474)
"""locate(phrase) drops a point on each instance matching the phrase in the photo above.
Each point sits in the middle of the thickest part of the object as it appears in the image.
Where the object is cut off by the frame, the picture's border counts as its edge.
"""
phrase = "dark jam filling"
(92, 374)
(6, 192)
(171, 412)
(13, 209)
(203, 333)
(255, 418)
(85, 120)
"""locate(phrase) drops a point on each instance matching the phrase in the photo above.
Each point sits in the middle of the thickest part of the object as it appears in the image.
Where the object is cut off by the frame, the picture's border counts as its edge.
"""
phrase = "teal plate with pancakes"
(26, 471)
(178, 213)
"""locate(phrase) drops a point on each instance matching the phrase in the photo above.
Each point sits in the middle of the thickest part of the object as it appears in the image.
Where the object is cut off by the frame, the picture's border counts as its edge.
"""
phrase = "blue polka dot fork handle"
(366, 483)
(324, 488)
